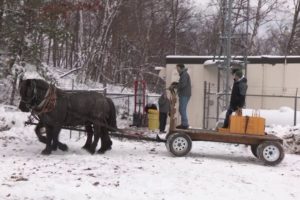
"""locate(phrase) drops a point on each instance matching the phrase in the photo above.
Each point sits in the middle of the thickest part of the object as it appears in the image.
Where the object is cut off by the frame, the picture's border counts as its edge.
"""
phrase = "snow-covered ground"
(136, 170)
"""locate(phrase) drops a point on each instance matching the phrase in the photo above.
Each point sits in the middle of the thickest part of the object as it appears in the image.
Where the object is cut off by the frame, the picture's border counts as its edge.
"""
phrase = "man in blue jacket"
(184, 94)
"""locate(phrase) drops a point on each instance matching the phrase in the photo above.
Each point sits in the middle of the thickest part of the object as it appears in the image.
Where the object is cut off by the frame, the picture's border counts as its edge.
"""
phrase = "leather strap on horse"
(49, 101)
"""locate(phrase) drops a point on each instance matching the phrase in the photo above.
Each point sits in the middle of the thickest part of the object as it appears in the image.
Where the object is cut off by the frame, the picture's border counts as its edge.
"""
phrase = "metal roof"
(264, 59)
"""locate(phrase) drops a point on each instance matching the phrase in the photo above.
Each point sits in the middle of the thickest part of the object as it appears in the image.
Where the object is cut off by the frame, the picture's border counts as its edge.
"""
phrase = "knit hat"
(239, 73)
(181, 66)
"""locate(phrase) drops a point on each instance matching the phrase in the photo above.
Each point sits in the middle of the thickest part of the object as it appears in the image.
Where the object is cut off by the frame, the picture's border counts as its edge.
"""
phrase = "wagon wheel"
(167, 143)
(254, 150)
(270, 152)
(179, 144)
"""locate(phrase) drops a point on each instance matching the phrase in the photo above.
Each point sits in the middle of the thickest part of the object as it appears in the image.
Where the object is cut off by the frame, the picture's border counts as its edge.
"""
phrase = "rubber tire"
(261, 156)
(167, 144)
(174, 142)
(254, 150)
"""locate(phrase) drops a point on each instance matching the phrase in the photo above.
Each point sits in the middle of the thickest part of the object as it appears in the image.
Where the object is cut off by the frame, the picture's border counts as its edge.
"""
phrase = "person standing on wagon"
(238, 95)
(184, 91)
(164, 108)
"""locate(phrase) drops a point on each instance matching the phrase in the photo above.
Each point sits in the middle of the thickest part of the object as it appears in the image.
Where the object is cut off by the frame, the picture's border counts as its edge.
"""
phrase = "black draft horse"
(56, 108)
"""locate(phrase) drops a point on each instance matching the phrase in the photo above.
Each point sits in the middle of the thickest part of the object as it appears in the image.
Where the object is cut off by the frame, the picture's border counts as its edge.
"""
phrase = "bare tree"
(293, 40)
(260, 15)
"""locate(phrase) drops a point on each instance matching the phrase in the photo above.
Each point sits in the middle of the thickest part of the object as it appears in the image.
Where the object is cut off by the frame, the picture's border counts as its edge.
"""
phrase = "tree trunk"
(14, 87)
(54, 51)
(296, 21)
(49, 51)
(174, 23)
(1, 13)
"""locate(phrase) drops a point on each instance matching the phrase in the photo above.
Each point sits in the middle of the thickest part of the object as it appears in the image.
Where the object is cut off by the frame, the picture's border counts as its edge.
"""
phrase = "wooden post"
(295, 108)
(208, 101)
(173, 110)
(128, 103)
(204, 104)
(12, 97)
(105, 90)
(72, 89)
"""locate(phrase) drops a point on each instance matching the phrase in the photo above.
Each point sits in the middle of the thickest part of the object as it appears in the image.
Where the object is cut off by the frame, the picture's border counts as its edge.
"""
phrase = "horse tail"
(112, 119)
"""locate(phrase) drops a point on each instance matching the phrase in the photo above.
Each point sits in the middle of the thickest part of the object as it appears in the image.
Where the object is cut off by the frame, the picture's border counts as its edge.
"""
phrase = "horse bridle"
(33, 98)
(46, 105)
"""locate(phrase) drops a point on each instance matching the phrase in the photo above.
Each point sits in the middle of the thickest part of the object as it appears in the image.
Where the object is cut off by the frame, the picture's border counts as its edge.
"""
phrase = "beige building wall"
(277, 80)
(263, 79)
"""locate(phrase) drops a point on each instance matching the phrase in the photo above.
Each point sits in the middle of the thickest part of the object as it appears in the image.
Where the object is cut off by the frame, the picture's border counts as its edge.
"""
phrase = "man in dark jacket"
(164, 108)
(184, 89)
(238, 95)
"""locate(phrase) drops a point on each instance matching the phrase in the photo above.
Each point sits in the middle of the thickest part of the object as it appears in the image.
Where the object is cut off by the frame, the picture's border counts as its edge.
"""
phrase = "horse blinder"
(28, 93)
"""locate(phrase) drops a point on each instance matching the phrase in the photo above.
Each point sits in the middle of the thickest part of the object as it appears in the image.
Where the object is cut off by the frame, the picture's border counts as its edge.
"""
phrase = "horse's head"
(30, 91)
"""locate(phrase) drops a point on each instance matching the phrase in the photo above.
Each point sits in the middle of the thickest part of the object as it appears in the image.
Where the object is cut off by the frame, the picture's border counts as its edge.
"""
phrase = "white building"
(272, 83)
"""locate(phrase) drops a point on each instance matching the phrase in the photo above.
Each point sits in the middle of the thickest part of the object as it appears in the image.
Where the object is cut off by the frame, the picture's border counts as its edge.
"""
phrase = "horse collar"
(49, 101)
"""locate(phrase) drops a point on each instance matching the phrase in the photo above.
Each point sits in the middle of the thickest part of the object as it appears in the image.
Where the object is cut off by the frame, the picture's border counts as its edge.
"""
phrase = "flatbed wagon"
(267, 148)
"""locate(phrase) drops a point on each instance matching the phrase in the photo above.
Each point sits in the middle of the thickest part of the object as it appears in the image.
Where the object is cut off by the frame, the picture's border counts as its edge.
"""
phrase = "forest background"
(114, 41)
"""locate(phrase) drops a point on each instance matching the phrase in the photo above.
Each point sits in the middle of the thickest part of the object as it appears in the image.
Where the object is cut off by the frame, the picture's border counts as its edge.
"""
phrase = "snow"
(137, 170)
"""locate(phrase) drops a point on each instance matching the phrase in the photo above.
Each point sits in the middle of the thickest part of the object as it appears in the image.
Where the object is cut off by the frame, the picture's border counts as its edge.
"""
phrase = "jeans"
(228, 113)
(183, 102)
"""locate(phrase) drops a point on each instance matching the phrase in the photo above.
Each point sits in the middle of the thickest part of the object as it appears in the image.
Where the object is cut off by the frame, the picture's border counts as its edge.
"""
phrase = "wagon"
(267, 148)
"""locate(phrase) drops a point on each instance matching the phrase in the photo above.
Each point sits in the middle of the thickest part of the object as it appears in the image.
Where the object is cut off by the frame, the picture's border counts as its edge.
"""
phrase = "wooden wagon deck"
(214, 136)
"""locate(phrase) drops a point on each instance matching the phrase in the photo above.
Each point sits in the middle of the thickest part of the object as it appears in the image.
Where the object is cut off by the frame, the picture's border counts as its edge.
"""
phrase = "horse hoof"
(43, 139)
(85, 147)
(102, 151)
(91, 151)
(54, 148)
(63, 147)
(46, 152)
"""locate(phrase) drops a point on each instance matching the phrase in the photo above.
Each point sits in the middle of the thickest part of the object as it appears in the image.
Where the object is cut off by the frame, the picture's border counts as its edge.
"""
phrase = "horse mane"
(40, 83)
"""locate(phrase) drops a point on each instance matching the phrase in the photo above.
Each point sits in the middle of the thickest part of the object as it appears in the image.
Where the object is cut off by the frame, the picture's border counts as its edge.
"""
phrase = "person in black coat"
(238, 95)
(164, 108)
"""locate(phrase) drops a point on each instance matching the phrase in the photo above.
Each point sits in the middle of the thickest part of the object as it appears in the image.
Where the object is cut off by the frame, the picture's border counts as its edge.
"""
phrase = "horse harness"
(48, 103)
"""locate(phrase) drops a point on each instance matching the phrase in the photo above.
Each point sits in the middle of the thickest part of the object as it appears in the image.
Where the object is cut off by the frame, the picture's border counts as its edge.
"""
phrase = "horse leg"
(62, 146)
(43, 139)
(97, 133)
(89, 130)
(38, 133)
(49, 138)
(56, 143)
(105, 141)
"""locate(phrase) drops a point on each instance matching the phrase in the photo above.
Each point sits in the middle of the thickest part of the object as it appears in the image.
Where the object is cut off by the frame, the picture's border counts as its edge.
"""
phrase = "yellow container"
(153, 119)
(255, 126)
